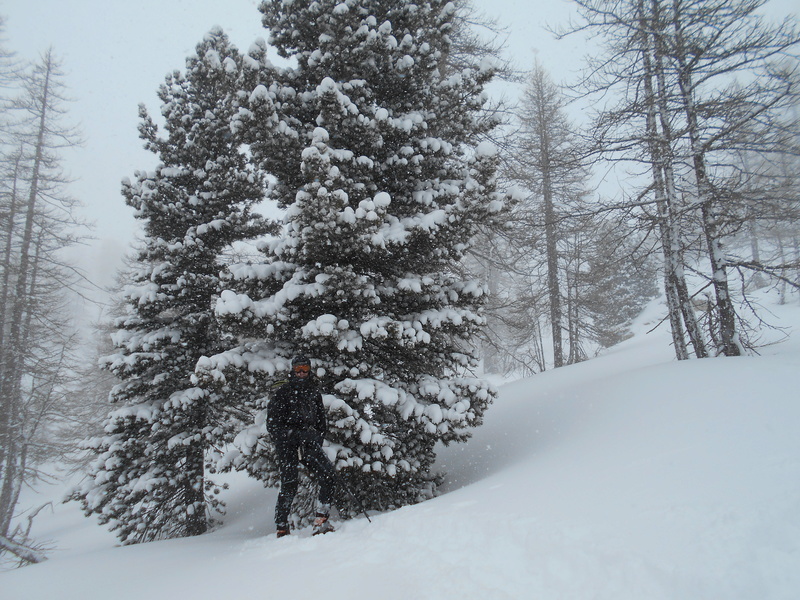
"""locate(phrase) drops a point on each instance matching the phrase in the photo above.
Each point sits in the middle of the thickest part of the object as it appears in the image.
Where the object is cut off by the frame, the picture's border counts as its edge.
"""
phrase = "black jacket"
(296, 408)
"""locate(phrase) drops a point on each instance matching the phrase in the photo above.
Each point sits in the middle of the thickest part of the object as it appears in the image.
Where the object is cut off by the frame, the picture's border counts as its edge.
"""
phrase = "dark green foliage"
(373, 149)
(149, 477)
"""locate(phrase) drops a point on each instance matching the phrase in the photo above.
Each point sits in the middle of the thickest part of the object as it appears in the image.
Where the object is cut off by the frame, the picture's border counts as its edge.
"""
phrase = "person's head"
(301, 367)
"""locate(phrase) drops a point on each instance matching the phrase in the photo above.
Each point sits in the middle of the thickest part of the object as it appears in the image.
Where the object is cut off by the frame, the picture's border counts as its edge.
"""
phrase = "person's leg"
(287, 467)
(322, 470)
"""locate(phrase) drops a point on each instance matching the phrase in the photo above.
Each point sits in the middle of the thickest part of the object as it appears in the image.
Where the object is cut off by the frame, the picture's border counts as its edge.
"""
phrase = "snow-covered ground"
(630, 476)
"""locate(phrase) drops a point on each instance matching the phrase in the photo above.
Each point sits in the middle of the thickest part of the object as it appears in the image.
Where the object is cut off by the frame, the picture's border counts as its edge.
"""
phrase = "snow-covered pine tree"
(149, 479)
(375, 153)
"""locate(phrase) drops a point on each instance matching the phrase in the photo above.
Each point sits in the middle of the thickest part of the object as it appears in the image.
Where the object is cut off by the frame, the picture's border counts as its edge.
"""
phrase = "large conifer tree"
(149, 478)
(376, 156)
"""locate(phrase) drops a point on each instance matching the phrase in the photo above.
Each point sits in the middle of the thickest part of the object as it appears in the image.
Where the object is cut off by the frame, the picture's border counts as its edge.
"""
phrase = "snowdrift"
(630, 476)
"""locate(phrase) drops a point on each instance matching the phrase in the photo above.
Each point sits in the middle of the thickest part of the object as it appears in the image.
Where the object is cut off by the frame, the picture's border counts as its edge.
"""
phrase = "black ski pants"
(302, 447)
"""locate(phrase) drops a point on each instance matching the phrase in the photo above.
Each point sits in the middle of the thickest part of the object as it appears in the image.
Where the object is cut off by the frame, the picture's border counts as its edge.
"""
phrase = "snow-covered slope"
(630, 476)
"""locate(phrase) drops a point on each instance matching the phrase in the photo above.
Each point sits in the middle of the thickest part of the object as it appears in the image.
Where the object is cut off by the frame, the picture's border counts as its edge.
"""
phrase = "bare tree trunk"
(543, 123)
(6, 408)
(32, 354)
(667, 230)
(8, 249)
(796, 246)
(755, 252)
(490, 352)
(554, 292)
(23, 422)
(667, 157)
(726, 313)
(13, 468)
(196, 520)
(21, 551)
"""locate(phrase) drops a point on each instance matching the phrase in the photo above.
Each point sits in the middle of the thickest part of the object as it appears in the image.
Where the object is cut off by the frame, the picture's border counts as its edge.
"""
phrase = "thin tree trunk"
(15, 451)
(796, 245)
(551, 237)
(491, 355)
(726, 313)
(782, 254)
(668, 160)
(755, 252)
(6, 406)
(673, 308)
(196, 523)
(552, 272)
(24, 553)
(8, 250)
(667, 231)
(25, 423)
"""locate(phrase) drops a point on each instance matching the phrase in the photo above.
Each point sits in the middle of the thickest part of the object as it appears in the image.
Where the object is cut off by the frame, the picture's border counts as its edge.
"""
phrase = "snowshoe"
(322, 524)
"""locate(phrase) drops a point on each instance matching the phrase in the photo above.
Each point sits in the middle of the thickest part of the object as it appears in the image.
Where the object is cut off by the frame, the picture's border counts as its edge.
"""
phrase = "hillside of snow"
(630, 476)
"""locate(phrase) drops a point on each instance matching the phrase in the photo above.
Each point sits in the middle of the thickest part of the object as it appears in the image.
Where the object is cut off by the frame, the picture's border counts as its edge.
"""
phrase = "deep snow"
(630, 476)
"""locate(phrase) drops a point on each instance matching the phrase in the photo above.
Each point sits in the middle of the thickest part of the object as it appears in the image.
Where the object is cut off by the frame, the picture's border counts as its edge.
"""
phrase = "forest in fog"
(370, 202)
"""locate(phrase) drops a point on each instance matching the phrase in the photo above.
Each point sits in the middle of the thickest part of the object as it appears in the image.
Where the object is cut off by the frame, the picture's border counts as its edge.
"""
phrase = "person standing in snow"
(296, 424)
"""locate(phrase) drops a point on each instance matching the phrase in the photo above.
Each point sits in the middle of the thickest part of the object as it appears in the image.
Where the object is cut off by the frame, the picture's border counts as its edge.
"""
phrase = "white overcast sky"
(115, 54)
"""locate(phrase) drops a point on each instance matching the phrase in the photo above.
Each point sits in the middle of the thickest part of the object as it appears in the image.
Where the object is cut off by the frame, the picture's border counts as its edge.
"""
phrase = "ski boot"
(282, 531)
